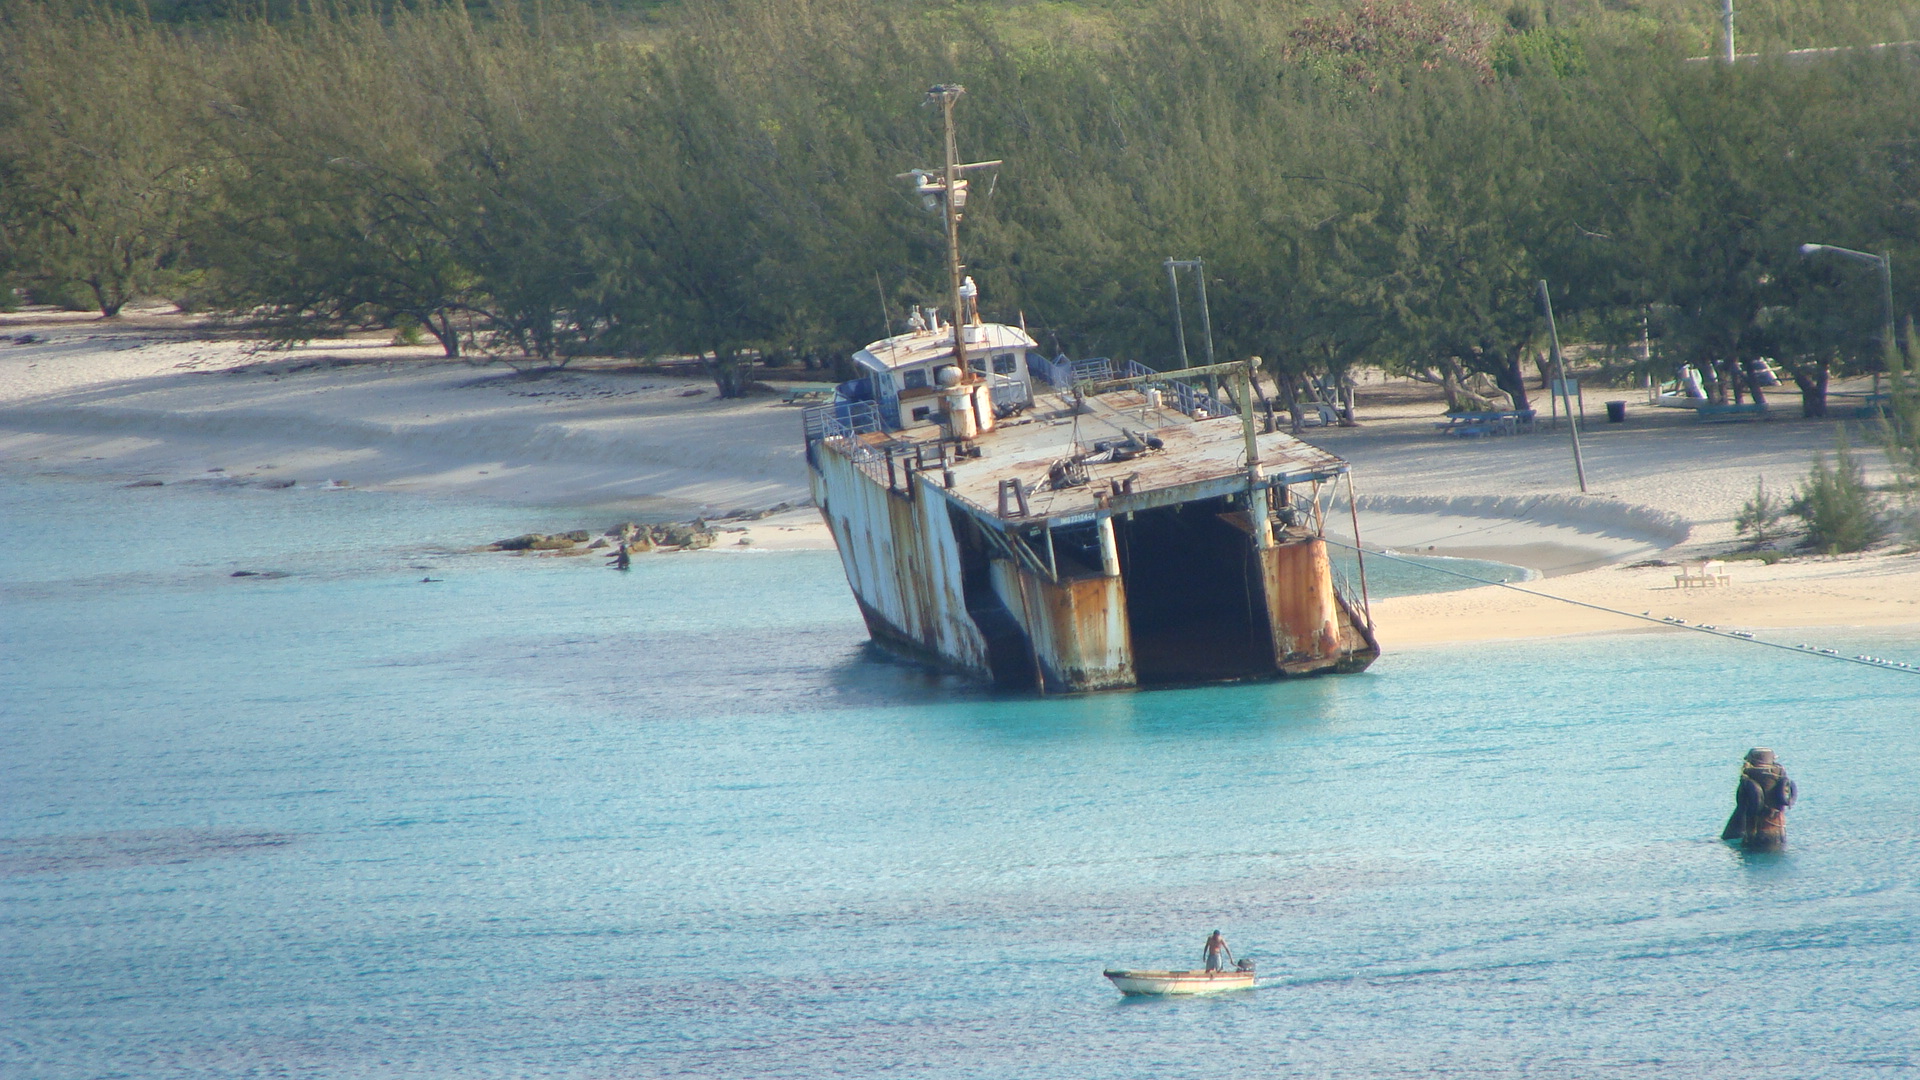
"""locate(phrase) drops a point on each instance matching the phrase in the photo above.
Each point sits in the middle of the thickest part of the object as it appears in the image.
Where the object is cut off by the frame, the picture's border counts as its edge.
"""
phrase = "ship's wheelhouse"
(902, 373)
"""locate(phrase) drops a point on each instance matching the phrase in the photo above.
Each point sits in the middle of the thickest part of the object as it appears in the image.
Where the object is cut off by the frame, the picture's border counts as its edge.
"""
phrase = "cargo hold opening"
(1194, 604)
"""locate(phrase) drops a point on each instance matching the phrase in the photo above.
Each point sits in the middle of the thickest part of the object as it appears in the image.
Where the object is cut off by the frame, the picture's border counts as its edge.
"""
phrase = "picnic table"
(1708, 572)
(1475, 424)
(807, 393)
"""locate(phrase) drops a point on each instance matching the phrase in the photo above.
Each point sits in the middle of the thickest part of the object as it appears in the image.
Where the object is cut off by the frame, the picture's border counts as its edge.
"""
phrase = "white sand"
(143, 399)
(146, 397)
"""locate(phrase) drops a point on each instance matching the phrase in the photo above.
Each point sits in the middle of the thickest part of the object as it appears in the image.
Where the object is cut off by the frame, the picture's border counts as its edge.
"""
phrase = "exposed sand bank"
(149, 398)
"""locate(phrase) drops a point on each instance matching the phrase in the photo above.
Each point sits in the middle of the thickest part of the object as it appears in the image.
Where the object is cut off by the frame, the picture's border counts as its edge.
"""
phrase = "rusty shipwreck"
(1066, 527)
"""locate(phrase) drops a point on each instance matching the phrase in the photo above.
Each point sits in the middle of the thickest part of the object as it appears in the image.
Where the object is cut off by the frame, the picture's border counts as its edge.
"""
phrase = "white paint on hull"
(1179, 983)
(902, 562)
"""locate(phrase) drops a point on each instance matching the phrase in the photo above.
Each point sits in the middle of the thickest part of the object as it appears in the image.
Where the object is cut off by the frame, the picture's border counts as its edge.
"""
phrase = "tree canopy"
(1380, 182)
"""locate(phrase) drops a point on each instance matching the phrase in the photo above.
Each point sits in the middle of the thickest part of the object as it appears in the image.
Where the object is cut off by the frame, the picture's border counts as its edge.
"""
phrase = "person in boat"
(1216, 947)
(1760, 803)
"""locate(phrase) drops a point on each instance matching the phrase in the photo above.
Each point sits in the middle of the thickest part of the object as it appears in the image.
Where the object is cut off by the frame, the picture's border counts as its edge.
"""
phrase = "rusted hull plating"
(935, 582)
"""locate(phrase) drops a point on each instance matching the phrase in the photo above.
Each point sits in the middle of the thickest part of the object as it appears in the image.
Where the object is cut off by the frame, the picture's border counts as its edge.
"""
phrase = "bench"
(1873, 406)
(1716, 414)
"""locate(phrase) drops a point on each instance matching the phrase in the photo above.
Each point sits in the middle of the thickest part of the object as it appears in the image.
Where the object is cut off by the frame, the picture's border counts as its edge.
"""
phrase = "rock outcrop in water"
(638, 538)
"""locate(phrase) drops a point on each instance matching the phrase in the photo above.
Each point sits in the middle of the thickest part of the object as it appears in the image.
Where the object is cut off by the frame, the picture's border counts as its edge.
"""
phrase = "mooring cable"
(1667, 621)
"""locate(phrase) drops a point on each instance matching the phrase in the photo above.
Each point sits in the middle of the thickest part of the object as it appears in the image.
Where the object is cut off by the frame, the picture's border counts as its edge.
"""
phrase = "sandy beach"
(151, 396)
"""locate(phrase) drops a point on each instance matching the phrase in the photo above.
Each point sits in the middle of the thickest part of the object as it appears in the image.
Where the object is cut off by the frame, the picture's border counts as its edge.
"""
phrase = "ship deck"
(1199, 458)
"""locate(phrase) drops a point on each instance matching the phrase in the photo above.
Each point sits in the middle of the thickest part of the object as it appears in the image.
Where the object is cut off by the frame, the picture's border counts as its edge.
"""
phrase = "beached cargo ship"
(1066, 527)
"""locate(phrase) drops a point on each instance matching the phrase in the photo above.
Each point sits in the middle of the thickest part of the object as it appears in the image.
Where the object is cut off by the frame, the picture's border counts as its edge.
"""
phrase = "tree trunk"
(1513, 381)
(109, 300)
(443, 331)
(1285, 379)
(1266, 402)
(1813, 389)
(731, 373)
(1450, 380)
(1715, 386)
(1753, 384)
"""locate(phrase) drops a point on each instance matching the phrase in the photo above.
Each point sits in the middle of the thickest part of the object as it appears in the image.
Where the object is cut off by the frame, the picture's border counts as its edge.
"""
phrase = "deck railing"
(1057, 372)
(1008, 391)
(840, 419)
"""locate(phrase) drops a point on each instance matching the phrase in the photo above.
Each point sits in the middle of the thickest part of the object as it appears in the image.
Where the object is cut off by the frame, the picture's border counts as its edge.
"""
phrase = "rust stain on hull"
(1313, 627)
(1078, 627)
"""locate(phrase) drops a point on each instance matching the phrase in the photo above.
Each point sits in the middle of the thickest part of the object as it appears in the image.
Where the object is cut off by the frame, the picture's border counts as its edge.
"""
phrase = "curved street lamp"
(1886, 284)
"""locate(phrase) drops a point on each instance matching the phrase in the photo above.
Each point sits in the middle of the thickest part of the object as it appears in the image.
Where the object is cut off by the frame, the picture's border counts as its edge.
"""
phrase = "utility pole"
(1726, 25)
(1560, 369)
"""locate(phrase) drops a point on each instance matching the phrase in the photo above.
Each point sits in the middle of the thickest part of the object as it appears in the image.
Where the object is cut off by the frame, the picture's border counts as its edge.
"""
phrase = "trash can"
(1616, 412)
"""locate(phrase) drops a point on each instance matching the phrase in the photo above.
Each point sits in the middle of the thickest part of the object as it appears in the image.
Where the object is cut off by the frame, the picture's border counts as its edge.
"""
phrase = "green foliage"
(1379, 182)
(1841, 512)
(407, 331)
(1900, 425)
(98, 177)
(1759, 517)
(1540, 49)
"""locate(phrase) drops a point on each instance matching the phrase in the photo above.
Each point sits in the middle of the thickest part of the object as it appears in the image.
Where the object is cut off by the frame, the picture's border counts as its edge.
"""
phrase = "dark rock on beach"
(535, 542)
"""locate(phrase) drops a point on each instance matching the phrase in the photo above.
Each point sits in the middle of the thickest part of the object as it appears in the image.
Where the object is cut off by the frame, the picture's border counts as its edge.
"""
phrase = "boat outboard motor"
(1243, 964)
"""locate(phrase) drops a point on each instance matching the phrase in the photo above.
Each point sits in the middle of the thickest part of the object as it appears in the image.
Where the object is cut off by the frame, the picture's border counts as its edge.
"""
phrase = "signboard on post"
(1570, 390)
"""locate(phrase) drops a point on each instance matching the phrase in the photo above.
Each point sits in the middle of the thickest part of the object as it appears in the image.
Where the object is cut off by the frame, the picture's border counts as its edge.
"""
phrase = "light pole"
(1886, 285)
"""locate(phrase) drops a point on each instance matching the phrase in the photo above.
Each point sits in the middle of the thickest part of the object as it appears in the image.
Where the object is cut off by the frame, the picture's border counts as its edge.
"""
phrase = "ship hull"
(1186, 598)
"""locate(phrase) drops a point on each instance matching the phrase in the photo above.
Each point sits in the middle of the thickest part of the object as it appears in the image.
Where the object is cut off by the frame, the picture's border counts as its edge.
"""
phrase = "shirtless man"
(1216, 945)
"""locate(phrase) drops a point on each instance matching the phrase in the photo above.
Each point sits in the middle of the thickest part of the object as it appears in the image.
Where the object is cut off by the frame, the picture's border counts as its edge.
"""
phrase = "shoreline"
(152, 398)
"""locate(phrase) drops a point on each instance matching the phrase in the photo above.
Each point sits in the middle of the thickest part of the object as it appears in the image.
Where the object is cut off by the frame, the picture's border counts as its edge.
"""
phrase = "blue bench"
(1875, 406)
(1715, 414)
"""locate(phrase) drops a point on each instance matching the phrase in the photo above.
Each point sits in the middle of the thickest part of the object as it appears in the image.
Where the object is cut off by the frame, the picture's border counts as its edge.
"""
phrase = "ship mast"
(953, 204)
(949, 188)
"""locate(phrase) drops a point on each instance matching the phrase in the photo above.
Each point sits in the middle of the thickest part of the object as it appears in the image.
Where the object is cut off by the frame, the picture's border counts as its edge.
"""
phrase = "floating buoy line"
(1647, 616)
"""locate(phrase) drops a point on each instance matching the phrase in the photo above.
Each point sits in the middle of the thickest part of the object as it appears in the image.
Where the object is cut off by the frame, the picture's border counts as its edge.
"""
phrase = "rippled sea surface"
(536, 818)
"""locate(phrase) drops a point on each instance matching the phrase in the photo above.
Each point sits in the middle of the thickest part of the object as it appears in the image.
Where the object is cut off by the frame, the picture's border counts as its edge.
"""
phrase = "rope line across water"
(1876, 662)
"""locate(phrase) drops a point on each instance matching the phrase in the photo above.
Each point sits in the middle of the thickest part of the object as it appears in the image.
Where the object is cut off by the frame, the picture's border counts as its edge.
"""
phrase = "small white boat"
(1179, 982)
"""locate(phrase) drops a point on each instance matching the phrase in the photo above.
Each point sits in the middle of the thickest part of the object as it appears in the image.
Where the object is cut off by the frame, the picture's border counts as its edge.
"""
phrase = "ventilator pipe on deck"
(1109, 549)
(1257, 510)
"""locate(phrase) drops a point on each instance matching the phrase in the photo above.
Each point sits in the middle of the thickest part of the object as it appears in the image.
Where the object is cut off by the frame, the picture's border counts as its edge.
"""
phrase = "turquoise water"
(541, 819)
